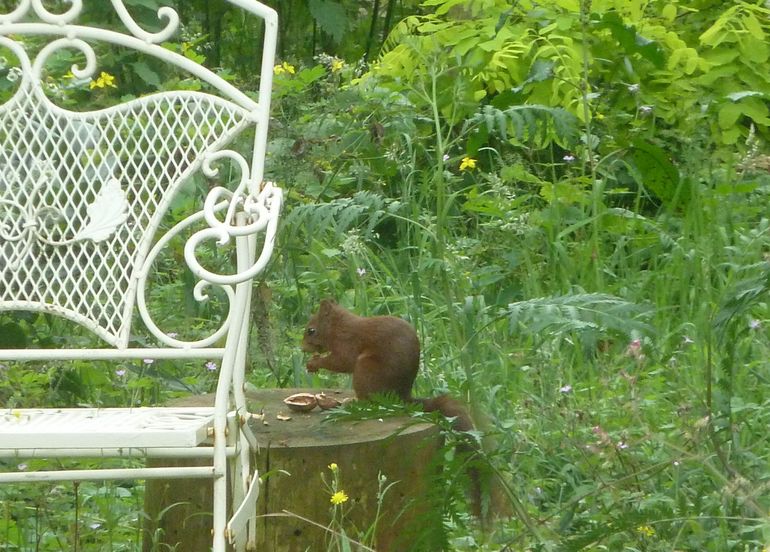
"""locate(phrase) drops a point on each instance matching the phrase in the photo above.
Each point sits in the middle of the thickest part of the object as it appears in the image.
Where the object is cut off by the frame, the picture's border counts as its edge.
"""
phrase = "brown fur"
(382, 352)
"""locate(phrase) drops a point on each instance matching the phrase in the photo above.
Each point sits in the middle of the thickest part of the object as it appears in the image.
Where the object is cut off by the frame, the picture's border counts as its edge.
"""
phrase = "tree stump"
(296, 509)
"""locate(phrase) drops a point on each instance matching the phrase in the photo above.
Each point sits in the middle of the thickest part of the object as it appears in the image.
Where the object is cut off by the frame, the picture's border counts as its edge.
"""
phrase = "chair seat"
(72, 428)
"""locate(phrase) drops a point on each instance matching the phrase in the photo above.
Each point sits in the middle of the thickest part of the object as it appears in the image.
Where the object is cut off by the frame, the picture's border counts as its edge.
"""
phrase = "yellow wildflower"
(333, 466)
(337, 65)
(645, 530)
(468, 163)
(104, 80)
(338, 498)
(284, 68)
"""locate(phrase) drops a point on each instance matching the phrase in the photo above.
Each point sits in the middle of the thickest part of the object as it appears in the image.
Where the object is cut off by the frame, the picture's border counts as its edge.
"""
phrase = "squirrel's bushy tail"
(449, 408)
(461, 421)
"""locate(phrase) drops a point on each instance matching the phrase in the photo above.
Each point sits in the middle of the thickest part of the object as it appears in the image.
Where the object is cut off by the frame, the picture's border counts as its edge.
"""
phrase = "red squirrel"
(383, 354)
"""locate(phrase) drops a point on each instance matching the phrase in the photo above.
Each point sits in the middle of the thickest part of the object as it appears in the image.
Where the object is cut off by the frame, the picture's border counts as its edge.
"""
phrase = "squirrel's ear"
(326, 305)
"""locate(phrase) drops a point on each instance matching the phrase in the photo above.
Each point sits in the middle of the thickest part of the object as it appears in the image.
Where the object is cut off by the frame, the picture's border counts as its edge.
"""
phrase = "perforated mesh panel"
(79, 195)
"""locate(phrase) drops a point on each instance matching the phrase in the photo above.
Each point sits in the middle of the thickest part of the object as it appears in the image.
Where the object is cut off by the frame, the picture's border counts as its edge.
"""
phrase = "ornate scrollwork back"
(83, 193)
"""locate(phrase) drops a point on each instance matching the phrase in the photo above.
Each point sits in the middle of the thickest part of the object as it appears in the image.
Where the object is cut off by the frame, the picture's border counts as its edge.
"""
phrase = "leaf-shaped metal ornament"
(108, 211)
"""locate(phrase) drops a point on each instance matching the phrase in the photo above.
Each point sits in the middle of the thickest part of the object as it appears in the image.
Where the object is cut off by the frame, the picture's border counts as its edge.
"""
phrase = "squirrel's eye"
(310, 331)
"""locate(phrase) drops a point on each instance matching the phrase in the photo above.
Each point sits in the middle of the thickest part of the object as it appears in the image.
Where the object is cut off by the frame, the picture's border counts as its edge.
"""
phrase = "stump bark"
(295, 509)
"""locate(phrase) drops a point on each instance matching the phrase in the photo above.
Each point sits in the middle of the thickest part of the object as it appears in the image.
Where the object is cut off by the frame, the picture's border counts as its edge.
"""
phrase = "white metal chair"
(82, 197)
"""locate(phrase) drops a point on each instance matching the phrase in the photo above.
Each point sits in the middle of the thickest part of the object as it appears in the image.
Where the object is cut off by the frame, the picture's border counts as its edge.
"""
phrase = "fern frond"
(364, 210)
(742, 297)
(578, 313)
(404, 29)
(534, 123)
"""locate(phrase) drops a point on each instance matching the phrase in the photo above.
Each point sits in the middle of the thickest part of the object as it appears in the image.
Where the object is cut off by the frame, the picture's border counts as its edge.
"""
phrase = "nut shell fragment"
(301, 402)
(326, 402)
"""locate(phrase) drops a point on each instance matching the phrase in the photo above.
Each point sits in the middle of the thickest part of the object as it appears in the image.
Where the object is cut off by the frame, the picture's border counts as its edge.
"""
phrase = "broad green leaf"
(731, 135)
(444, 5)
(519, 173)
(756, 109)
(502, 20)
(754, 50)
(477, 138)
(686, 57)
(669, 12)
(563, 192)
(541, 70)
(693, 61)
(721, 56)
(729, 114)
(714, 35)
(754, 26)
(736, 188)
(330, 17)
(312, 74)
(717, 74)
(146, 74)
(631, 41)
(571, 5)
(658, 173)
(12, 336)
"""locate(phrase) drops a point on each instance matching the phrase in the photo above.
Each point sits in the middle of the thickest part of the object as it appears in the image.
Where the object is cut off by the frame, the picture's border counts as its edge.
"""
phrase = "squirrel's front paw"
(313, 365)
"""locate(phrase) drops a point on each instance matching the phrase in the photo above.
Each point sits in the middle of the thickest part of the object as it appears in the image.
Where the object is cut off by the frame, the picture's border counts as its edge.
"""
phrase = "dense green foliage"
(569, 201)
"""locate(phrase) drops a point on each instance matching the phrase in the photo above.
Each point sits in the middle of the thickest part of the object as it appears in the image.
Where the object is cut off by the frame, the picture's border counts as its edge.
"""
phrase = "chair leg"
(220, 514)
(220, 489)
(241, 527)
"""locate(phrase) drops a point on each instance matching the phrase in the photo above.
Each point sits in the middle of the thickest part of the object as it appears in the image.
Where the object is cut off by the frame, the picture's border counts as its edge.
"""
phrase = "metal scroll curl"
(26, 8)
(199, 291)
(32, 71)
(228, 214)
(250, 209)
(60, 44)
(165, 12)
